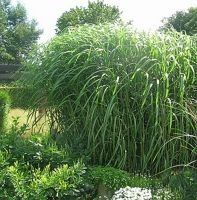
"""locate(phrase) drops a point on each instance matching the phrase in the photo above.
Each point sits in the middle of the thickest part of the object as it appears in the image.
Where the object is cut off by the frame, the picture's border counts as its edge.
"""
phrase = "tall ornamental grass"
(127, 99)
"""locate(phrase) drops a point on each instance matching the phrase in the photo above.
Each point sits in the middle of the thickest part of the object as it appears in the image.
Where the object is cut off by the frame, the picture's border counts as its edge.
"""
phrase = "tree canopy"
(95, 13)
(182, 21)
(17, 33)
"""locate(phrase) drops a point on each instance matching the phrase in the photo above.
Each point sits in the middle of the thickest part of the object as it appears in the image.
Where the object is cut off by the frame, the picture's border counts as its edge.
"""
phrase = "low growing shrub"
(25, 182)
(33, 167)
(135, 193)
(128, 193)
(108, 179)
(37, 150)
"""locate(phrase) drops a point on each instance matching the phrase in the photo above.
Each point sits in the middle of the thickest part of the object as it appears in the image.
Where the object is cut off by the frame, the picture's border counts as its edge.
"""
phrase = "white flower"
(135, 193)
(164, 194)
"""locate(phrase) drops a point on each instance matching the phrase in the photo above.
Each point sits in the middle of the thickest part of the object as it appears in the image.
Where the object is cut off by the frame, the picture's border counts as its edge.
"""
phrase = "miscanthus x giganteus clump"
(128, 98)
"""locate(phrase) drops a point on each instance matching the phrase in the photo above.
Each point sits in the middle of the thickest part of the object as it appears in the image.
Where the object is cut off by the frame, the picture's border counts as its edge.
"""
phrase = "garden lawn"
(22, 117)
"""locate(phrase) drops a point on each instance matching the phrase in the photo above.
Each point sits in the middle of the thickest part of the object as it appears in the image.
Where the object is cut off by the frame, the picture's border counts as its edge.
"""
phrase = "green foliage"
(110, 177)
(17, 100)
(57, 178)
(37, 151)
(107, 180)
(35, 168)
(96, 13)
(18, 34)
(114, 179)
(128, 98)
(4, 108)
(23, 182)
(182, 21)
(184, 181)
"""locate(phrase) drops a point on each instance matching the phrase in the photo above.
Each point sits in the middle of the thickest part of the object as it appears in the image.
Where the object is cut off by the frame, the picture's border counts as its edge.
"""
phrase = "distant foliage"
(17, 33)
(182, 21)
(96, 12)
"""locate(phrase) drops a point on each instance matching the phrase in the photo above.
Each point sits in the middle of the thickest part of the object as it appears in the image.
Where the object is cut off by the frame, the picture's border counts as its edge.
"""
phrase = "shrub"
(128, 98)
(110, 177)
(23, 182)
(107, 180)
(37, 150)
(114, 179)
(4, 108)
(35, 168)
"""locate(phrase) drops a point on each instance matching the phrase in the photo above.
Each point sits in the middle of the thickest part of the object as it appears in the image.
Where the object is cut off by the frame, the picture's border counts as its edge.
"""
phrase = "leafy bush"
(4, 107)
(108, 179)
(114, 178)
(38, 151)
(128, 98)
(34, 167)
(24, 182)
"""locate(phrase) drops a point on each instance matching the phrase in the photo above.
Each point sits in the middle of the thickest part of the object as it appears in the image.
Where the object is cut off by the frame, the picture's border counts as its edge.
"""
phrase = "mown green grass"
(127, 99)
(19, 110)
(22, 117)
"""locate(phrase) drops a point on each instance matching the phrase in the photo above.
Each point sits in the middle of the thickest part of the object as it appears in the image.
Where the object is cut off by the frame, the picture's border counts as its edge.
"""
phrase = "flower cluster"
(135, 193)
(164, 194)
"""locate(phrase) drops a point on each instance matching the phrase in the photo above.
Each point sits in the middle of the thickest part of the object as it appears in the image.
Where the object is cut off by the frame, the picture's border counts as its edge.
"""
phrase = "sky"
(145, 14)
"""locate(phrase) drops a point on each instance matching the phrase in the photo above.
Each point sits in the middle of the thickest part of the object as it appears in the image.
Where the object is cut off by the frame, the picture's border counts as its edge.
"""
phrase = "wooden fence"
(9, 72)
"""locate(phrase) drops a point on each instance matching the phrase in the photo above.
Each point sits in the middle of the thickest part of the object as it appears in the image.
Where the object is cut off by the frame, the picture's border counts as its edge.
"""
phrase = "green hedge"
(20, 97)
(4, 108)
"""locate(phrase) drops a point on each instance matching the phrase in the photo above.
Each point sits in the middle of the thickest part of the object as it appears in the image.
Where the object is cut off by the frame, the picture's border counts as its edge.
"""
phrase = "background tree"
(182, 21)
(17, 33)
(95, 13)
